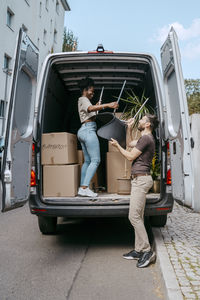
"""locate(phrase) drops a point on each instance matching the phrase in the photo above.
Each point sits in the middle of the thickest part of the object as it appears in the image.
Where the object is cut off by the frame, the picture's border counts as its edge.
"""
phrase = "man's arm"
(133, 143)
(130, 155)
(129, 135)
(102, 106)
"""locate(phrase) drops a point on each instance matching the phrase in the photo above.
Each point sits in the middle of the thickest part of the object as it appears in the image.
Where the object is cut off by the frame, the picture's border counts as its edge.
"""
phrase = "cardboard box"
(112, 148)
(117, 167)
(118, 114)
(60, 180)
(59, 148)
(80, 157)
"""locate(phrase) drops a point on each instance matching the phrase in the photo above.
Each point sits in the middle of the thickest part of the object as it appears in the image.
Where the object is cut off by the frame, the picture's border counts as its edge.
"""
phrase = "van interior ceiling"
(62, 92)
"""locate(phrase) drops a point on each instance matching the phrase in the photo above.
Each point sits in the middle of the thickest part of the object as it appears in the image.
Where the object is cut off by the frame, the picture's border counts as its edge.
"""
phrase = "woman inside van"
(87, 134)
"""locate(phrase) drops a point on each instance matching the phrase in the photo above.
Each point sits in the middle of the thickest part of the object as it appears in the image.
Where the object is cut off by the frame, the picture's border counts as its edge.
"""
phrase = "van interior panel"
(61, 96)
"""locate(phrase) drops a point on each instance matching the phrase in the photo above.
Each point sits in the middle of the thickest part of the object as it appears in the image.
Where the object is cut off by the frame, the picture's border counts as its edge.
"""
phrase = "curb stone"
(173, 290)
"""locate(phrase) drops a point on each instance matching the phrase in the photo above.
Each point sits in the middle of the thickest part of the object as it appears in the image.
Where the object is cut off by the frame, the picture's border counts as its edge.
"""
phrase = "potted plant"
(155, 173)
(133, 104)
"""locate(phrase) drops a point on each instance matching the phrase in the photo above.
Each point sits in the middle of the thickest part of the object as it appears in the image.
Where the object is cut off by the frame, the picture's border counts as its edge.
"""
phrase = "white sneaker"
(89, 193)
(81, 192)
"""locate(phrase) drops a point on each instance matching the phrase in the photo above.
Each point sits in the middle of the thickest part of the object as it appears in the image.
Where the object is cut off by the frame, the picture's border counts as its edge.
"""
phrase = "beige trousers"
(140, 187)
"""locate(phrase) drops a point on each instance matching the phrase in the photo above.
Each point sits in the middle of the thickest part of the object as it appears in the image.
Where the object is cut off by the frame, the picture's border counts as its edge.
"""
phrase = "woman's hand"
(113, 105)
(114, 143)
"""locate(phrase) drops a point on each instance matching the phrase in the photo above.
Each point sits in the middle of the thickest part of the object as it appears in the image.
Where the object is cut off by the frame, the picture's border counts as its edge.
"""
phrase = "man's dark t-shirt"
(141, 165)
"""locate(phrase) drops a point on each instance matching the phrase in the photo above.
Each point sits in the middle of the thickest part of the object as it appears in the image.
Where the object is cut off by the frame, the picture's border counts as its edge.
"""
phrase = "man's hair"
(153, 121)
(85, 83)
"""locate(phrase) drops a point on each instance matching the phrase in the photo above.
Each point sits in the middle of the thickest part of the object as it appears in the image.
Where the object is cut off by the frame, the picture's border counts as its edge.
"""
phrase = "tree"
(192, 87)
(70, 42)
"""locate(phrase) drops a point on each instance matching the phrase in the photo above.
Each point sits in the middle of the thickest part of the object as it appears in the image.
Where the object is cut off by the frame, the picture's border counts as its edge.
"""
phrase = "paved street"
(181, 238)
(83, 261)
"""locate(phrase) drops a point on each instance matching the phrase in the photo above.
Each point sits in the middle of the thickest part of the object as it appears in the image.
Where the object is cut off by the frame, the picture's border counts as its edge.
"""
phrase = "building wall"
(36, 17)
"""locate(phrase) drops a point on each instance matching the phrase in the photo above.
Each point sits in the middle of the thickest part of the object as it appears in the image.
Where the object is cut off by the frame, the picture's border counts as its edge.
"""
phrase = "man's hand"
(114, 143)
(130, 122)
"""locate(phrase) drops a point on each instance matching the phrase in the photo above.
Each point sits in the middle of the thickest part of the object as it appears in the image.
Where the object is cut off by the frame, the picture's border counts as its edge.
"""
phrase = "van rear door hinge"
(7, 176)
(192, 142)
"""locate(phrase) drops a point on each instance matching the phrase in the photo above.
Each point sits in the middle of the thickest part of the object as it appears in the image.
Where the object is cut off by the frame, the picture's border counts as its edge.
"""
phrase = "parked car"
(53, 108)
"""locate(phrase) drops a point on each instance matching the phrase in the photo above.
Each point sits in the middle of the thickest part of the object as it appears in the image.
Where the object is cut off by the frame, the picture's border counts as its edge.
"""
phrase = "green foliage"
(134, 103)
(70, 42)
(192, 87)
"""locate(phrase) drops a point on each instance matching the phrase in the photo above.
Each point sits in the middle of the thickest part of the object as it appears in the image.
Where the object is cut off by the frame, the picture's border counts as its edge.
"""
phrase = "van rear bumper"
(162, 207)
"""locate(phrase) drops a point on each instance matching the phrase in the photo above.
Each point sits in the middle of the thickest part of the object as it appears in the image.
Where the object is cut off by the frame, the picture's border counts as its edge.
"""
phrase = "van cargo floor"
(102, 199)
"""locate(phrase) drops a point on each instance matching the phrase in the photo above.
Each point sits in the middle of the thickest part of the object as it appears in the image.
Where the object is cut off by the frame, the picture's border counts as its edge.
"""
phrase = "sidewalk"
(180, 239)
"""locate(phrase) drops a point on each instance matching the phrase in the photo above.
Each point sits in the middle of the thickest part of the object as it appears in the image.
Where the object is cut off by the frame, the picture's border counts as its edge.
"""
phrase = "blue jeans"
(91, 151)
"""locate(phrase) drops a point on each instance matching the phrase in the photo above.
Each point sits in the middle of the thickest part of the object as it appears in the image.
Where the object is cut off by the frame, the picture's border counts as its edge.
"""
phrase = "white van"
(53, 108)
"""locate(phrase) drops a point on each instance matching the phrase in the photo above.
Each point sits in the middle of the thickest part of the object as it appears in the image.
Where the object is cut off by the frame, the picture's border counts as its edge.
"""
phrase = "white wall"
(36, 20)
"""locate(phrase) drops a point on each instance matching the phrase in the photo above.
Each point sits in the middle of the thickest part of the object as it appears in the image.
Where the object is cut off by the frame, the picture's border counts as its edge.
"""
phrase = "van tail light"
(33, 176)
(167, 145)
(169, 180)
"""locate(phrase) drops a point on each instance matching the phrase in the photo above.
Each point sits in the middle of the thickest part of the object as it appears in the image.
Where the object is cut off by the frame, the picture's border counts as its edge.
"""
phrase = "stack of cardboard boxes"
(61, 171)
(117, 167)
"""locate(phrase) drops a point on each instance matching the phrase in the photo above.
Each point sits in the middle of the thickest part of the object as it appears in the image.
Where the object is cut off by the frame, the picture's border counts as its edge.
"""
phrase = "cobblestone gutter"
(181, 237)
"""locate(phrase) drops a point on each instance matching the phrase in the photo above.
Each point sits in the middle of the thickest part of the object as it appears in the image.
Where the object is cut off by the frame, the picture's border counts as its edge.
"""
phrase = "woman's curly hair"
(85, 83)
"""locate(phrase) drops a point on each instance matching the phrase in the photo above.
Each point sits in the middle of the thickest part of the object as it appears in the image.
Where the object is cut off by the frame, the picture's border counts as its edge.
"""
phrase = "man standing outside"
(141, 155)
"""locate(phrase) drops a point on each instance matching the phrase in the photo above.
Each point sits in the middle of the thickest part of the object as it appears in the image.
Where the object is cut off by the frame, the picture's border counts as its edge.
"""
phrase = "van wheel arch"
(47, 225)
(158, 221)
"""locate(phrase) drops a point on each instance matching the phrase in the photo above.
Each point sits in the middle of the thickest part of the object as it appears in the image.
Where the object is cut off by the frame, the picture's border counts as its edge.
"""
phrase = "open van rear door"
(16, 161)
(177, 121)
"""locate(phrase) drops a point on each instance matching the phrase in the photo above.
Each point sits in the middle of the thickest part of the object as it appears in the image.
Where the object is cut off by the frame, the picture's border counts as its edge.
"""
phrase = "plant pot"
(123, 186)
(156, 186)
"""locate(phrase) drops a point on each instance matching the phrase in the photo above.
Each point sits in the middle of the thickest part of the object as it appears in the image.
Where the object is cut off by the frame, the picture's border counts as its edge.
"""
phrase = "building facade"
(43, 21)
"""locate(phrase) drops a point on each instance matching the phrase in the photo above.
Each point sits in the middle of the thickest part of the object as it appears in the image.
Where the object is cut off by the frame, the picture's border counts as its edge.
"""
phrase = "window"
(25, 29)
(10, 16)
(40, 12)
(57, 6)
(2, 108)
(44, 36)
(47, 4)
(7, 60)
(55, 36)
